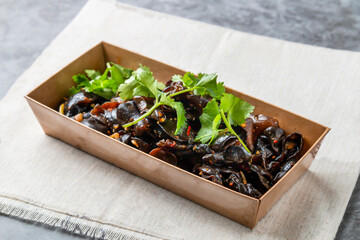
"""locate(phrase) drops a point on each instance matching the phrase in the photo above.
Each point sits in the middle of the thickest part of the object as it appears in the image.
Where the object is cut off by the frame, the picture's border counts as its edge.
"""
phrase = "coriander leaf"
(104, 92)
(82, 83)
(146, 78)
(104, 85)
(73, 90)
(189, 80)
(180, 114)
(177, 78)
(210, 122)
(237, 109)
(127, 89)
(207, 80)
(208, 85)
(160, 85)
(203, 84)
(125, 72)
(218, 91)
(104, 75)
(180, 111)
(141, 90)
(227, 102)
(240, 112)
(142, 83)
(81, 79)
(116, 75)
(215, 128)
(92, 74)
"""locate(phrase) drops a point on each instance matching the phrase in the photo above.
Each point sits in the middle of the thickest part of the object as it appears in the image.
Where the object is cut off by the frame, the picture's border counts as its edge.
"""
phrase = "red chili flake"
(87, 100)
(110, 105)
(97, 110)
(231, 183)
(275, 141)
(188, 131)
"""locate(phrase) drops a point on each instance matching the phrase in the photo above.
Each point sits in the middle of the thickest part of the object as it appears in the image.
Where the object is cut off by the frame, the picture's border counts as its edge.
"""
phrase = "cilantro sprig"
(201, 85)
(105, 85)
(143, 83)
(232, 111)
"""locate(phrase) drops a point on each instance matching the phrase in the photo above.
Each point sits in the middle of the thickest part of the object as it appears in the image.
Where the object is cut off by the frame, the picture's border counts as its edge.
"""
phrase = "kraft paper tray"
(45, 99)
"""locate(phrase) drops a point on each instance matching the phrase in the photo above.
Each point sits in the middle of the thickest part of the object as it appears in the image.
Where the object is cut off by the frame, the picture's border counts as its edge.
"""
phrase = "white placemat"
(45, 180)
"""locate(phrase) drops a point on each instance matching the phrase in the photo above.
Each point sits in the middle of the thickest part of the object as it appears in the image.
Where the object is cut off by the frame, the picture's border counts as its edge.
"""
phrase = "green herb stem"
(148, 113)
(228, 125)
(183, 91)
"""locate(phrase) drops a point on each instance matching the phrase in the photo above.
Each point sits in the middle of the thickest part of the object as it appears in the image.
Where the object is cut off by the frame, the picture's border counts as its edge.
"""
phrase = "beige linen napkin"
(48, 181)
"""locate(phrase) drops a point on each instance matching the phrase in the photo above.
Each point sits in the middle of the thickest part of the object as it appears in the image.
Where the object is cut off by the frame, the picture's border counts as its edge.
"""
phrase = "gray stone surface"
(28, 26)
(12, 229)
